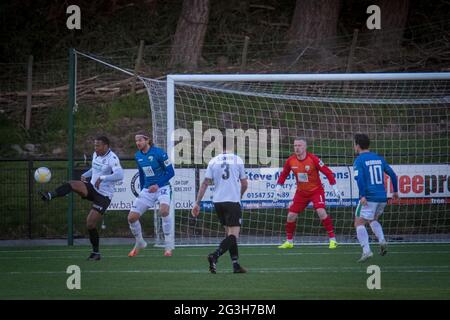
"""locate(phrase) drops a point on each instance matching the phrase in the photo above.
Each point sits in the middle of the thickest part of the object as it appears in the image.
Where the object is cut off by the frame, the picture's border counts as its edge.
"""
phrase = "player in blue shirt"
(369, 169)
(155, 171)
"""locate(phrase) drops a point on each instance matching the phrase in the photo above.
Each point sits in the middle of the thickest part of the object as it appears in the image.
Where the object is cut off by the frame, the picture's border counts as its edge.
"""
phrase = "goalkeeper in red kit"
(306, 167)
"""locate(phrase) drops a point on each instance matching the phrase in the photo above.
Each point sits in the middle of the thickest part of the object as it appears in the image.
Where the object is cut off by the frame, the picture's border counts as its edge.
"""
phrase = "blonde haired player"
(306, 167)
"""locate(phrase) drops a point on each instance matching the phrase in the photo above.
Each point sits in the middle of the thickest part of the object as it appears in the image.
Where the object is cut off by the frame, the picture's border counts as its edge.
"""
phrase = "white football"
(42, 175)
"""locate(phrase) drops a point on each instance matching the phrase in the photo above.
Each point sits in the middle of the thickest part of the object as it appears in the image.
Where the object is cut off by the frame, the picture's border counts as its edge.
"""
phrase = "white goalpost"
(397, 111)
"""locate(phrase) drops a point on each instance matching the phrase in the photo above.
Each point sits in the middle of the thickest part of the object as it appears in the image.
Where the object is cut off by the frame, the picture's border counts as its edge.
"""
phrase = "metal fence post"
(30, 197)
(72, 84)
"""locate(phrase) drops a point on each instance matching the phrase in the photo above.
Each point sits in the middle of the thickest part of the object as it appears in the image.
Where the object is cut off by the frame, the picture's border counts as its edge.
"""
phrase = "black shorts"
(99, 202)
(229, 213)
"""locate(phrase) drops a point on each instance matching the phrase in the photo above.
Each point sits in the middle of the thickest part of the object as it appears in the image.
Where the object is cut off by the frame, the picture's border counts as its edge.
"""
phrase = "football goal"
(406, 116)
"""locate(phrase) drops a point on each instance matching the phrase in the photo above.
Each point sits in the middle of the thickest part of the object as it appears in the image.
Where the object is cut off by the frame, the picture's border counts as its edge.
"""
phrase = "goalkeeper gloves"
(277, 193)
(337, 193)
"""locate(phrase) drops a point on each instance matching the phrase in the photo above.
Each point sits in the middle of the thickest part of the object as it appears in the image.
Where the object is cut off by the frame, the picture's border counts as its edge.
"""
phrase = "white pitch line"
(299, 246)
(69, 250)
(421, 269)
(202, 255)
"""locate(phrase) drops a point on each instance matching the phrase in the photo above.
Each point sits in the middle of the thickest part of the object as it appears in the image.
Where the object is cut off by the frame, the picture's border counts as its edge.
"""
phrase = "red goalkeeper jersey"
(306, 172)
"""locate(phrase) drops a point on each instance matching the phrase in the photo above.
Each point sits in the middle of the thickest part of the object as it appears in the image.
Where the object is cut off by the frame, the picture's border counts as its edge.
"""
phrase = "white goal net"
(405, 115)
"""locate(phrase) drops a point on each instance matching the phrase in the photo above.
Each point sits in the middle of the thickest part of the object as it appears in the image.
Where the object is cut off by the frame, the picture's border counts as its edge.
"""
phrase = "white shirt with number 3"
(226, 170)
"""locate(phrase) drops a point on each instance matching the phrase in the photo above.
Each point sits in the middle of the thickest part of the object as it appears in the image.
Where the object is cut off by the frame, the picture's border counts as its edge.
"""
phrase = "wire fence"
(24, 215)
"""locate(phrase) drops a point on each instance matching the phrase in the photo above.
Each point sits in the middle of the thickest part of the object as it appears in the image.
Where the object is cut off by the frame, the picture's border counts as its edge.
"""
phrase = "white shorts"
(371, 211)
(146, 200)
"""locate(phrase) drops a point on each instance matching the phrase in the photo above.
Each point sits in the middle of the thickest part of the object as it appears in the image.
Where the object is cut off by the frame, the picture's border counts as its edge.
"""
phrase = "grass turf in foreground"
(414, 271)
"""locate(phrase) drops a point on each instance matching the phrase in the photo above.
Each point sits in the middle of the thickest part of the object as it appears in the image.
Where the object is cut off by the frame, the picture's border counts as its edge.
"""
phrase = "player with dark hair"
(306, 167)
(155, 171)
(369, 169)
(226, 171)
(104, 173)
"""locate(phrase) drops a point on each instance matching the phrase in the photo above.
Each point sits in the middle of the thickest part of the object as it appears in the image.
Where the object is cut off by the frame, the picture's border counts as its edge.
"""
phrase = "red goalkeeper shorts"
(303, 198)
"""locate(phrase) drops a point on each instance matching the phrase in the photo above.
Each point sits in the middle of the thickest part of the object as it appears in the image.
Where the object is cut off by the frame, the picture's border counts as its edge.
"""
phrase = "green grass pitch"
(412, 271)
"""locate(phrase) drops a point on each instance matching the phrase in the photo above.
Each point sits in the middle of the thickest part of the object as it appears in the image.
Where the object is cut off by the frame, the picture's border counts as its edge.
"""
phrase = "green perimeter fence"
(24, 215)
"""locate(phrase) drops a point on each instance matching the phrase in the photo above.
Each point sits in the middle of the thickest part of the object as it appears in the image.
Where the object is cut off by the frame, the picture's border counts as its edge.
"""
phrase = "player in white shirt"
(104, 173)
(226, 171)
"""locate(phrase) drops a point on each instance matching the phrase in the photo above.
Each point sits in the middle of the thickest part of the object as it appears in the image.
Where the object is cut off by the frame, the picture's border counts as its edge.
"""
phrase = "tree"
(312, 22)
(190, 34)
(394, 15)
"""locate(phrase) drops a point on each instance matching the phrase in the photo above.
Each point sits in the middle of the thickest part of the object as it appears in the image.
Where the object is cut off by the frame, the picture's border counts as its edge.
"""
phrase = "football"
(42, 175)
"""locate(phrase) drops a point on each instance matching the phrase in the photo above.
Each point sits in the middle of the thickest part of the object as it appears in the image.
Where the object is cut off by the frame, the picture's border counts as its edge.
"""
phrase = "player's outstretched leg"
(136, 230)
(76, 186)
(378, 231)
(61, 191)
(45, 196)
